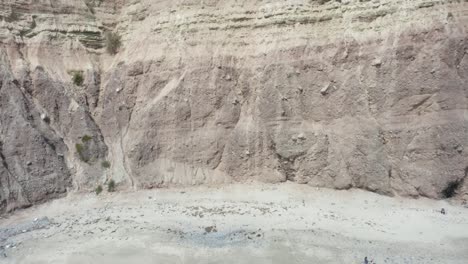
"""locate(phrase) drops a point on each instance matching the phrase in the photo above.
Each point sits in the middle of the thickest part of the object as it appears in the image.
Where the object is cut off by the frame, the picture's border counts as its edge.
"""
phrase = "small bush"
(112, 42)
(105, 164)
(77, 78)
(86, 138)
(98, 190)
(111, 186)
(451, 189)
(80, 150)
(14, 16)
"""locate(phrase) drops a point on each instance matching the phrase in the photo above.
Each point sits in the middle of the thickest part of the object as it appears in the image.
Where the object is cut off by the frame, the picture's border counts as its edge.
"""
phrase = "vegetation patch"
(86, 138)
(113, 42)
(452, 188)
(12, 17)
(105, 164)
(80, 149)
(111, 186)
(77, 77)
(98, 190)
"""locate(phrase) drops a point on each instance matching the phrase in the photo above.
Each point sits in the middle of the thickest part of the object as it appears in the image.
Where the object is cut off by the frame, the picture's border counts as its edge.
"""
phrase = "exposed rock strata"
(340, 94)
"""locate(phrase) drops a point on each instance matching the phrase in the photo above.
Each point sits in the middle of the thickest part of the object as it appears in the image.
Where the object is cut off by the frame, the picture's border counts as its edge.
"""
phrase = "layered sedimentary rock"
(338, 94)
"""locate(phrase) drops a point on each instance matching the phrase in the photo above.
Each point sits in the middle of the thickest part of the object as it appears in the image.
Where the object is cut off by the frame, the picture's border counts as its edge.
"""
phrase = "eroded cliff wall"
(339, 94)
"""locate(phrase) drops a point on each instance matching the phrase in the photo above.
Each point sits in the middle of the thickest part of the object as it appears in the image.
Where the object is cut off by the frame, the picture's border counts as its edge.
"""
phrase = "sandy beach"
(254, 223)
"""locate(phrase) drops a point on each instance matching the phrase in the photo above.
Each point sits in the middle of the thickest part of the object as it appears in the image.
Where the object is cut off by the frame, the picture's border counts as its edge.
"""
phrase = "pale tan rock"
(196, 85)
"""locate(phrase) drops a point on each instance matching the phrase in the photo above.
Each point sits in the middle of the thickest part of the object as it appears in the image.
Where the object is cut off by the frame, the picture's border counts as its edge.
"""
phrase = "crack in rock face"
(337, 94)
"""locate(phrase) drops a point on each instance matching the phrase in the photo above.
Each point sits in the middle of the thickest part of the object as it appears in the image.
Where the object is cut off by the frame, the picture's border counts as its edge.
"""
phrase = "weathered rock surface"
(339, 94)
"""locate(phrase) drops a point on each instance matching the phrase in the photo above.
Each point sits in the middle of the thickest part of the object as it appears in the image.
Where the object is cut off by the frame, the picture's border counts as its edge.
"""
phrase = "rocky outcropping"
(339, 94)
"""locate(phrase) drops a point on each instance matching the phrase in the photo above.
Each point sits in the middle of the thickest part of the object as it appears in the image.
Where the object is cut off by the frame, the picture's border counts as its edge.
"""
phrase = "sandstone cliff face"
(339, 94)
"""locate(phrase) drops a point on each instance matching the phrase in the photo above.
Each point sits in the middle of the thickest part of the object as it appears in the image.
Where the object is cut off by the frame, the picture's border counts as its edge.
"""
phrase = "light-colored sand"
(255, 223)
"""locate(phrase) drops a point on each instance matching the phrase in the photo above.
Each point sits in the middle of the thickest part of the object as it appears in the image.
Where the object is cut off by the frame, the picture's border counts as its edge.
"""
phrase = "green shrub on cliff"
(111, 186)
(80, 149)
(86, 138)
(112, 42)
(98, 190)
(77, 78)
(105, 164)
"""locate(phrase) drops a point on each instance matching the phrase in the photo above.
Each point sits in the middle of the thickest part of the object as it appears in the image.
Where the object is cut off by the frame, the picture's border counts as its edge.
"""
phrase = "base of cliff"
(285, 223)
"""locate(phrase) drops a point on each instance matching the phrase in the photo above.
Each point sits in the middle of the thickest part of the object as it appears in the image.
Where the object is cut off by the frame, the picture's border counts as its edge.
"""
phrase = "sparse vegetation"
(86, 138)
(77, 78)
(105, 164)
(452, 188)
(80, 149)
(85, 149)
(111, 186)
(112, 42)
(449, 15)
(98, 190)
(14, 16)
